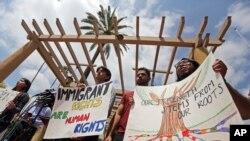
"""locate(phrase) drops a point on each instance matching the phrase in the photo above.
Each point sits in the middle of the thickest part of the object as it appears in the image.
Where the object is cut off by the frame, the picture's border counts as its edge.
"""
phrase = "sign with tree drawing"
(199, 107)
(79, 111)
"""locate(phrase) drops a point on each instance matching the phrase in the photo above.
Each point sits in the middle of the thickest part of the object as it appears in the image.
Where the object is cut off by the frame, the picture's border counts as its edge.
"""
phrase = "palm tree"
(105, 23)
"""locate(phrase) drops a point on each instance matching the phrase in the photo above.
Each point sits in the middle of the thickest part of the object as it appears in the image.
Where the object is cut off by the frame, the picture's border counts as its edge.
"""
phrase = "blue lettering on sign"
(94, 126)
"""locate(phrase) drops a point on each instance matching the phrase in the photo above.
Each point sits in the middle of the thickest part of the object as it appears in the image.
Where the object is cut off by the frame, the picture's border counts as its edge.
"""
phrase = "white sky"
(234, 52)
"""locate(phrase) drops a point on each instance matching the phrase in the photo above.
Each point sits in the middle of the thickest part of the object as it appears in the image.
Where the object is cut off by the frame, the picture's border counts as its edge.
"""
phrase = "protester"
(118, 126)
(185, 67)
(16, 105)
(103, 75)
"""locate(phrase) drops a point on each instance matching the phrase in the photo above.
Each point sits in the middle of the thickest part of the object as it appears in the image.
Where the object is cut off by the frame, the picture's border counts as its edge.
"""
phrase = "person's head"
(103, 74)
(185, 67)
(47, 97)
(142, 77)
(22, 85)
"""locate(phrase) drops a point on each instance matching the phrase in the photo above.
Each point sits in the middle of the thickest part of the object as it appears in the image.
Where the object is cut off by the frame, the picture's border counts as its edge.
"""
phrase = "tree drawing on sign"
(175, 109)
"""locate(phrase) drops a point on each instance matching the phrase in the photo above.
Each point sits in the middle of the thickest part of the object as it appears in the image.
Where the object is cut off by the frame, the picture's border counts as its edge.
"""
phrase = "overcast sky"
(235, 51)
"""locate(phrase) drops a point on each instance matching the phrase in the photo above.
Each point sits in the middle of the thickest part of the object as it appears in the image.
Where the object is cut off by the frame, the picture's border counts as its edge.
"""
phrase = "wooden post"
(13, 61)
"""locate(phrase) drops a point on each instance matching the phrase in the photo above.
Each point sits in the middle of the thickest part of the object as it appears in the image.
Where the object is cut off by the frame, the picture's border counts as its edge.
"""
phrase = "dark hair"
(27, 87)
(195, 64)
(106, 70)
(146, 70)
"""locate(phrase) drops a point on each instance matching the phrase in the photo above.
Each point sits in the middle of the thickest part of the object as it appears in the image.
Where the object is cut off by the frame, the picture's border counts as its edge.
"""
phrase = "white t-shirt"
(46, 112)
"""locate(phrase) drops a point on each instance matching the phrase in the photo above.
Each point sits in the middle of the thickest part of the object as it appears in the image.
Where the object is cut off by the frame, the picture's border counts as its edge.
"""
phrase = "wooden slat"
(222, 32)
(137, 46)
(199, 36)
(52, 53)
(61, 51)
(142, 40)
(119, 55)
(82, 64)
(197, 44)
(52, 65)
(170, 64)
(181, 27)
(77, 27)
(224, 28)
(179, 33)
(44, 54)
(59, 25)
(205, 42)
(100, 46)
(157, 50)
(203, 26)
(201, 52)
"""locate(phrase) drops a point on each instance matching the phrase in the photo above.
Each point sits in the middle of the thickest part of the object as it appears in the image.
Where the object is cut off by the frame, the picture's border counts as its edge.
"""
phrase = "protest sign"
(199, 107)
(79, 111)
(6, 95)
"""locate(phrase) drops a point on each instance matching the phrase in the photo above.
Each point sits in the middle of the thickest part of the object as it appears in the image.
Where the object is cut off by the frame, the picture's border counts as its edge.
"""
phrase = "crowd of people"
(38, 116)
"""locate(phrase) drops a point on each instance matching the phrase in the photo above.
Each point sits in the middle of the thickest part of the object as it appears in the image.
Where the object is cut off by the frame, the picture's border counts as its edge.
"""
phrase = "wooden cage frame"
(42, 43)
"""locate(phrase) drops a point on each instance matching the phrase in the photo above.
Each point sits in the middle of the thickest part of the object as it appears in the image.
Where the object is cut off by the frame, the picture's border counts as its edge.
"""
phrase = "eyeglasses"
(184, 61)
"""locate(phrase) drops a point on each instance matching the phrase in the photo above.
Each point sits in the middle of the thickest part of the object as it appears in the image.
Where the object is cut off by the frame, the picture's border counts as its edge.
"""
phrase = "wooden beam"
(200, 53)
(222, 32)
(52, 66)
(100, 45)
(82, 64)
(77, 27)
(170, 64)
(199, 36)
(203, 26)
(8, 65)
(143, 40)
(137, 46)
(181, 27)
(71, 51)
(52, 53)
(198, 43)
(179, 33)
(117, 48)
(45, 55)
(157, 50)
(61, 51)
(224, 28)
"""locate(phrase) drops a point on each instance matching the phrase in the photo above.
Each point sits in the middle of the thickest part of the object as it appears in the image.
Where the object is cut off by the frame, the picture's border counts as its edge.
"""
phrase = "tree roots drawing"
(172, 124)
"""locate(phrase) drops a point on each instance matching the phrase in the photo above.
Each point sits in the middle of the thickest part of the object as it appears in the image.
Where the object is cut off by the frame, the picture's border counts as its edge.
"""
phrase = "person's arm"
(241, 102)
(19, 104)
(82, 85)
(115, 123)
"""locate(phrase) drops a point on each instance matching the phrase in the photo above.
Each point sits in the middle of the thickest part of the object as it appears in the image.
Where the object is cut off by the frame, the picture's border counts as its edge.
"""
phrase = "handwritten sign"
(199, 107)
(6, 95)
(79, 111)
